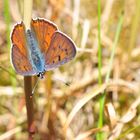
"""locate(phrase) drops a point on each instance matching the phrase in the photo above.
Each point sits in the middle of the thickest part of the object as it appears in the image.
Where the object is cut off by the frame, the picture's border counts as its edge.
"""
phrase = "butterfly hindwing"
(43, 30)
(19, 52)
(21, 62)
(61, 50)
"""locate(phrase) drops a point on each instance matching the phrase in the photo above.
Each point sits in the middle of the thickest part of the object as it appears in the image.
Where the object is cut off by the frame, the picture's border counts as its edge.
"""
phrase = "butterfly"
(39, 49)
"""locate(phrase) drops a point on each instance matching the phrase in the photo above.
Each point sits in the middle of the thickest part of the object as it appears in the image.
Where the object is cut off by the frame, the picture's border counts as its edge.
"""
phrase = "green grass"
(7, 21)
(99, 136)
(130, 130)
(134, 28)
(7, 18)
(99, 44)
(100, 121)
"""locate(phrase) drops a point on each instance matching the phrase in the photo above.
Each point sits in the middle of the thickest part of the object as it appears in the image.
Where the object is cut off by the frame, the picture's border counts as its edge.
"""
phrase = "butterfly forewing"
(43, 31)
(61, 50)
(18, 37)
(19, 52)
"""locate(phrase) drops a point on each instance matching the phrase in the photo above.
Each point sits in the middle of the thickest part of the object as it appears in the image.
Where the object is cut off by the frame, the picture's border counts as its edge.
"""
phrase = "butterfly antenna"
(66, 83)
(33, 91)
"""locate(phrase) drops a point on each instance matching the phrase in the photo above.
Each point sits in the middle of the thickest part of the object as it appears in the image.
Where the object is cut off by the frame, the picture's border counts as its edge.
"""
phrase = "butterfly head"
(41, 75)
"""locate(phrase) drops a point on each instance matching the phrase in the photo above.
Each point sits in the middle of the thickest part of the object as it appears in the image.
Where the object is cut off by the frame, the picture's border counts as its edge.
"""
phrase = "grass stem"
(98, 136)
(28, 80)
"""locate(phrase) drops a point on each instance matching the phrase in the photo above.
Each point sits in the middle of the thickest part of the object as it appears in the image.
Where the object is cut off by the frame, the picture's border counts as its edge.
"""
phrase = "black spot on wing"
(59, 58)
(25, 68)
(66, 51)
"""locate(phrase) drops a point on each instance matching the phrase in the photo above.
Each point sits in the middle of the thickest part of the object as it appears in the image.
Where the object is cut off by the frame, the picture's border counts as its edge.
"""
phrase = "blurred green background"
(53, 100)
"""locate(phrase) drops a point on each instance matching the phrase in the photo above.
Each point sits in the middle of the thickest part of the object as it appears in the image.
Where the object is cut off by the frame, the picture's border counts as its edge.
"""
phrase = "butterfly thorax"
(35, 55)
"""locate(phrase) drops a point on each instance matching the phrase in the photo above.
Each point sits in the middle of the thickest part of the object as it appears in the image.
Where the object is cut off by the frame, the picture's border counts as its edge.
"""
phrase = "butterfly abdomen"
(35, 53)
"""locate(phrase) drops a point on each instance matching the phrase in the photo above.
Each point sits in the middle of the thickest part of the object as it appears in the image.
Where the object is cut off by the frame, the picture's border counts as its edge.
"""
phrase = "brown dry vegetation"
(53, 100)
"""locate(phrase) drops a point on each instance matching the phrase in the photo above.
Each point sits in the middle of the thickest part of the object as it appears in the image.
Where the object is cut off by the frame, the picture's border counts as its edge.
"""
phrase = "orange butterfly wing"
(19, 52)
(43, 31)
(61, 50)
